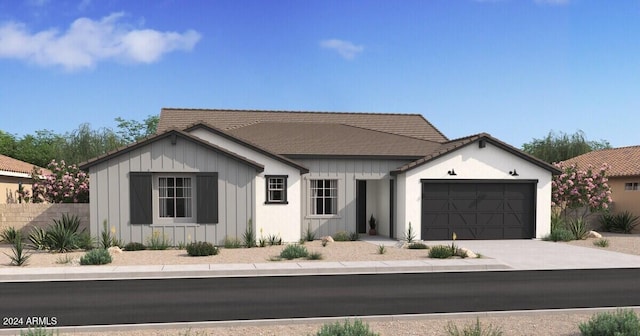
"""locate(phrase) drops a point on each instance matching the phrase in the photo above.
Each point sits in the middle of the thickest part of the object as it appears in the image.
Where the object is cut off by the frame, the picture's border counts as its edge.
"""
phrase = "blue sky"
(513, 68)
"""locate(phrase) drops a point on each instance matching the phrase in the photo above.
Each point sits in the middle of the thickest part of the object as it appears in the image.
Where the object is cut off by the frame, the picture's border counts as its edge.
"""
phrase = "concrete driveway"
(537, 254)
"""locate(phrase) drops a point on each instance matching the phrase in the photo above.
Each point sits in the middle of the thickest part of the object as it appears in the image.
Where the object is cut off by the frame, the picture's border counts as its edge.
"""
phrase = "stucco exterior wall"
(472, 162)
(109, 192)
(625, 200)
(280, 219)
(9, 188)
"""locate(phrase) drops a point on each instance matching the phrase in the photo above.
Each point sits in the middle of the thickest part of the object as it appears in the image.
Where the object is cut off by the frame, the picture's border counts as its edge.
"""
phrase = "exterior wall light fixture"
(514, 173)
(452, 172)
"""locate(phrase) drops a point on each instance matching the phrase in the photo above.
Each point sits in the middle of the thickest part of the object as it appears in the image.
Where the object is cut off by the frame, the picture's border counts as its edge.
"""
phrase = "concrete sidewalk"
(498, 255)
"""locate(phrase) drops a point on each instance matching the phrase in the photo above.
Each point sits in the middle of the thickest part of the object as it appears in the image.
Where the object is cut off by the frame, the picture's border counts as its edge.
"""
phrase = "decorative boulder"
(465, 251)
(593, 234)
(327, 239)
(114, 250)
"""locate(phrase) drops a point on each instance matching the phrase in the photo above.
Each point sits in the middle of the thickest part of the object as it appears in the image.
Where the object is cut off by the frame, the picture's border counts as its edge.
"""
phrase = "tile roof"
(9, 164)
(410, 125)
(623, 161)
(324, 139)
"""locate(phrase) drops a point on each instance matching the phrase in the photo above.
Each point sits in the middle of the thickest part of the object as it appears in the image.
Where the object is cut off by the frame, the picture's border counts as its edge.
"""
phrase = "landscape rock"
(593, 234)
(327, 239)
(469, 253)
(114, 250)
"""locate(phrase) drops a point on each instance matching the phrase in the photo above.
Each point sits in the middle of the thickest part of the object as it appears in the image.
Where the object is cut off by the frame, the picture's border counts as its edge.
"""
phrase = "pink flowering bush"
(67, 184)
(581, 190)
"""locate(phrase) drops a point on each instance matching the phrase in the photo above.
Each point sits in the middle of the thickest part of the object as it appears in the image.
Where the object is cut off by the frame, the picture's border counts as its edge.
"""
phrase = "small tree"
(578, 192)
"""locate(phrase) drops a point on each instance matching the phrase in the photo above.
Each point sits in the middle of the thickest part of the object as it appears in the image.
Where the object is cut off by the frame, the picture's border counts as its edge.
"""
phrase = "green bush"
(560, 234)
(441, 252)
(294, 251)
(63, 235)
(9, 235)
(158, 241)
(199, 249)
(623, 222)
(134, 246)
(341, 236)
(309, 235)
(624, 322)
(601, 242)
(314, 256)
(418, 246)
(354, 236)
(98, 256)
(357, 328)
(232, 242)
(578, 227)
(475, 329)
(85, 241)
(107, 237)
(38, 331)
(382, 249)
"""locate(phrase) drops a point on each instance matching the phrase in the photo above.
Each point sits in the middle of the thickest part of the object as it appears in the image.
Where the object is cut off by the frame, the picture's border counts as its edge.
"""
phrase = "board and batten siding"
(347, 172)
(109, 191)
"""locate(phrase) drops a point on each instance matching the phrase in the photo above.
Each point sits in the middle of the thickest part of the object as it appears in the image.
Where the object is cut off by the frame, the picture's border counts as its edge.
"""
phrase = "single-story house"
(207, 174)
(13, 175)
(623, 175)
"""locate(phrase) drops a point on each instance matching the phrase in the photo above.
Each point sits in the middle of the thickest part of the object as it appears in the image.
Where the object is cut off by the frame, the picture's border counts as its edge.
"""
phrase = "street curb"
(317, 320)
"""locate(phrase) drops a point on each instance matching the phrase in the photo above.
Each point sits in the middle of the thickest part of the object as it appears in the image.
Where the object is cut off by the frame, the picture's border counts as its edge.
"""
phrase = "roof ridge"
(299, 111)
(390, 133)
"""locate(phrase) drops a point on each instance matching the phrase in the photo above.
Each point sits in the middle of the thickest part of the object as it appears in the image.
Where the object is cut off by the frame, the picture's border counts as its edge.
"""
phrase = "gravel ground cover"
(517, 324)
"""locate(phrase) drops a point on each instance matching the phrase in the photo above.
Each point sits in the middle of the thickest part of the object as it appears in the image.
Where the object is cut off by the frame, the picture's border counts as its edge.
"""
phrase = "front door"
(361, 205)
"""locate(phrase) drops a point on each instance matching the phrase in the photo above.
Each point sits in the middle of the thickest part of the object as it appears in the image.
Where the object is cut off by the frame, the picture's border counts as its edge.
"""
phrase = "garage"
(478, 209)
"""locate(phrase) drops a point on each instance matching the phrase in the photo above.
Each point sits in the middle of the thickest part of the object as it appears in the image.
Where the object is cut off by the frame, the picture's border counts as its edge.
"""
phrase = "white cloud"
(87, 42)
(346, 49)
(552, 2)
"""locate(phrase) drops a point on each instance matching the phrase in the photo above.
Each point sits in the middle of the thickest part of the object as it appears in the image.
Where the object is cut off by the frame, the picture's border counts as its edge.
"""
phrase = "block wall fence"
(26, 215)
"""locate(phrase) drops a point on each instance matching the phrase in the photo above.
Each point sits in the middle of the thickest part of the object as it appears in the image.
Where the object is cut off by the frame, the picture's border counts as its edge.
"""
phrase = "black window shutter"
(140, 198)
(207, 197)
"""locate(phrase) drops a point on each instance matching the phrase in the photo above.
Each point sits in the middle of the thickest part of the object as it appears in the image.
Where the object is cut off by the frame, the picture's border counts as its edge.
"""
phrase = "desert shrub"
(475, 329)
(232, 242)
(107, 237)
(199, 249)
(560, 234)
(623, 222)
(418, 246)
(410, 235)
(38, 238)
(341, 236)
(354, 236)
(134, 246)
(158, 241)
(248, 236)
(98, 256)
(623, 322)
(18, 255)
(314, 256)
(63, 235)
(294, 251)
(357, 328)
(578, 227)
(601, 242)
(38, 331)
(382, 249)
(274, 239)
(607, 221)
(9, 235)
(85, 241)
(309, 235)
(440, 252)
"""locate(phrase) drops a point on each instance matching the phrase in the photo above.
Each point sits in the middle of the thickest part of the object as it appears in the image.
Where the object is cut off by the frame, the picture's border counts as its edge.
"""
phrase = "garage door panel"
(476, 210)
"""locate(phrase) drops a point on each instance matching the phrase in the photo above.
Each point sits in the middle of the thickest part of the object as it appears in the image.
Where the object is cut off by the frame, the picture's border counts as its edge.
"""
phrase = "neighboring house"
(13, 174)
(623, 174)
(208, 173)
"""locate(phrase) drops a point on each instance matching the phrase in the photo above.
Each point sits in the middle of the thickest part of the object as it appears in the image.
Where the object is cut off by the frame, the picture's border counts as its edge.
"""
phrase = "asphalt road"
(216, 299)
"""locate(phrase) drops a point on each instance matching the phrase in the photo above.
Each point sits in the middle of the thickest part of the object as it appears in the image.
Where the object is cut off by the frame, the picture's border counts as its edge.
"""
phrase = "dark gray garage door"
(478, 210)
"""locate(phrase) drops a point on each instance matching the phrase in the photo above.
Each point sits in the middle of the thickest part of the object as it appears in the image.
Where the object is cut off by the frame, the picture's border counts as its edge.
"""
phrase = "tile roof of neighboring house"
(296, 139)
(410, 125)
(623, 161)
(455, 144)
(11, 165)
(86, 165)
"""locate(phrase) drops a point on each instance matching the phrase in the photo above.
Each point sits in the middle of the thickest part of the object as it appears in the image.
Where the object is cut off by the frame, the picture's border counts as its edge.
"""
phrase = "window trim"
(155, 193)
(311, 198)
(284, 189)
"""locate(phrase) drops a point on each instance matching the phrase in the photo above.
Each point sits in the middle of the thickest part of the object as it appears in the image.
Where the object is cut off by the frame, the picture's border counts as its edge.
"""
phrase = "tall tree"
(556, 147)
(84, 143)
(8, 144)
(133, 130)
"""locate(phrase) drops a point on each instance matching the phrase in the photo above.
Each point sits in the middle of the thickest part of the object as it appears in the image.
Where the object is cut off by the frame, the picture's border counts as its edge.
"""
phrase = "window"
(324, 197)
(276, 189)
(631, 186)
(175, 198)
